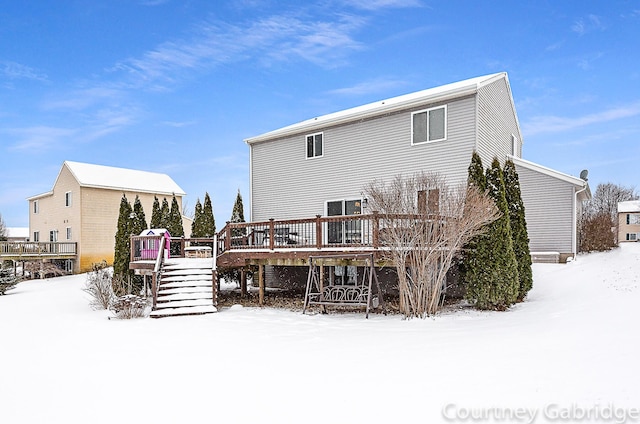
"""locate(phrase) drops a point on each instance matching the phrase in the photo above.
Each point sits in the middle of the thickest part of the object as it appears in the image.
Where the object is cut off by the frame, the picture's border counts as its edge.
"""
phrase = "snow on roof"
(442, 92)
(100, 176)
(629, 206)
(17, 232)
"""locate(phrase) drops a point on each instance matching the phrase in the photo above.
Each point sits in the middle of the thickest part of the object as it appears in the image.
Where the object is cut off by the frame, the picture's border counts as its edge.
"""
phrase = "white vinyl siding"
(429, 125)
(497, 124)
(286, 186)
(548, 204)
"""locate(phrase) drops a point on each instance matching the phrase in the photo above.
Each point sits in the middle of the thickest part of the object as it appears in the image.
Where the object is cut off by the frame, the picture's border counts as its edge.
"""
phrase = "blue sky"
(175, 86)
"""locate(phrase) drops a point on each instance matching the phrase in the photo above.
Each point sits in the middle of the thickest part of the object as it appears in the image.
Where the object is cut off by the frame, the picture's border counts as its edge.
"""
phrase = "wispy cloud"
(551, 124)
(367, 87)
(175, 124)
(383, 4)
(273, 39)
(14, 70)
(587, 24)
(83, 98)
(586, 62)
(39, 138)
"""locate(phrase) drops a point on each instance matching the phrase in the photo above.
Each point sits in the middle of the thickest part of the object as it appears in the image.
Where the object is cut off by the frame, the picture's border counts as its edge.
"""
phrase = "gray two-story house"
(320, 166)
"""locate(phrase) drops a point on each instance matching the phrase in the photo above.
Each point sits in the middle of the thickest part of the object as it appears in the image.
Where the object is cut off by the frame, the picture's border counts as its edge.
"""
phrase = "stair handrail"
(157, 270)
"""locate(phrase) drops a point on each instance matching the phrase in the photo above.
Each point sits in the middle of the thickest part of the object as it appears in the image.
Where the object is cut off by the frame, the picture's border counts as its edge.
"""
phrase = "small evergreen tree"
(208, 220)
(139, 217)
(156, 214)
(494, 283)
(175, 219)
(237, 215)
(518, 229)
(165, 215)
(196, 230)
(123, 240)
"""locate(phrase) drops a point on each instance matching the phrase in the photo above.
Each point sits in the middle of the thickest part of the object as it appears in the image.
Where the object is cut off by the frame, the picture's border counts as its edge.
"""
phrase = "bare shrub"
(129, 306)
(425, 223)
(99, 286)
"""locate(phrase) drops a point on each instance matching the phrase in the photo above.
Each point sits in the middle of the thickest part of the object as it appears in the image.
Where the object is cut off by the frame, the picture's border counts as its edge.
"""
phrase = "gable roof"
(575, 181)
(112, 178)
(443, 92)
(629, 206)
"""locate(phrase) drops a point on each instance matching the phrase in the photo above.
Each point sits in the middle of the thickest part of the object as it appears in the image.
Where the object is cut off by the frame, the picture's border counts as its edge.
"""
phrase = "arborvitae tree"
(493, 280)
(139, 217)
(165, 215)
(175, 220)
(123, 241)
(237, 215)
(197, 220)
(472, 258)
(208, 220)
(156, 214)
(518, 229)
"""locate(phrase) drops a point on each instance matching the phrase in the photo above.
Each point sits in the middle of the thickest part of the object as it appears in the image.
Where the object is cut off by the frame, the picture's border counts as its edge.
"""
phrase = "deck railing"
(145, 248)
(21, 248)
(352, 231)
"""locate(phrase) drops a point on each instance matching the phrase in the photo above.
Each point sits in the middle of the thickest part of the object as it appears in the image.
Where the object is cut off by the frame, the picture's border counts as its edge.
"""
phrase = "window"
(68, 265)
(67, 199)
(429, 125)
(429, 201)
(36, 207)
(314, 145)
(632, 237)
(53, 236)
(68, 233)
(514, 145)
(350, 231)
(633, 219)
(36, 236)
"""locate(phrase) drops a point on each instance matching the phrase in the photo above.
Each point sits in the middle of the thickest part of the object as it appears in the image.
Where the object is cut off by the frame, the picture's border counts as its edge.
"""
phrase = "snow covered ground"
(572, 348)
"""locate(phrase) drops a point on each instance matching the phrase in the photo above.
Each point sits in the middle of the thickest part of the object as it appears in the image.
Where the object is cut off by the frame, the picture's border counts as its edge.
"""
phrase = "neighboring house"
(17, 233)
(84, 204)
(629, 221)
(321, 166)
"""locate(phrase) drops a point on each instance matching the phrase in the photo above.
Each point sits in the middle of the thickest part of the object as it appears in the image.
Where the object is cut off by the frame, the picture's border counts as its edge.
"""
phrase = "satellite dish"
(583, 174)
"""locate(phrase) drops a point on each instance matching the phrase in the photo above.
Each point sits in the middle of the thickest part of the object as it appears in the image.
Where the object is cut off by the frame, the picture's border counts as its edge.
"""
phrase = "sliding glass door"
(344, 232)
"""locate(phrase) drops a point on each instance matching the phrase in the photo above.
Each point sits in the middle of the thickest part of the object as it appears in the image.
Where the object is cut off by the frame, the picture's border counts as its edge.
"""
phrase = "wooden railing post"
(227, 237)
(272, 233)
(318, 232)
(375, 230)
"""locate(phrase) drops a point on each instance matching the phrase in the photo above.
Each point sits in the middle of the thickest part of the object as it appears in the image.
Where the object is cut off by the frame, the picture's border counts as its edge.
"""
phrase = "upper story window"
(429, 125)
(314, 145)
(67, 198)
(36, 206)
(36, 236)
(633, 219)
(514, 145)
(69, 233)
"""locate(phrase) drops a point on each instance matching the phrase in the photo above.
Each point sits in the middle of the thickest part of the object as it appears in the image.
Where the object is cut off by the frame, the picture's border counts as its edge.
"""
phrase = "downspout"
(575, 221)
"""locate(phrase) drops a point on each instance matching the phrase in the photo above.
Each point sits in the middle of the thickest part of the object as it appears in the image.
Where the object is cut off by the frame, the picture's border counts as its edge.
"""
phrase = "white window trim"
(314, 146)
(36, 207)
(514, 146)
(446, 114)
(68, 200)
(36, 236)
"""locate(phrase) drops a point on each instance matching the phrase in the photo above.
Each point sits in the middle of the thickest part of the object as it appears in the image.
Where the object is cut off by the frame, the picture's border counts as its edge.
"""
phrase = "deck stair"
(185, 288)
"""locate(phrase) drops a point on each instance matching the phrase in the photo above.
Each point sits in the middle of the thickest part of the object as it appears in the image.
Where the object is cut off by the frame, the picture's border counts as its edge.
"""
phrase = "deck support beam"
(261, 284)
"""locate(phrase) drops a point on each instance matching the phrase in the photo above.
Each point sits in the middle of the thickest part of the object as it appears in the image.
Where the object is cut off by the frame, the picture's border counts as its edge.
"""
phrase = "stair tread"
(190, 283)
(184, 303)
(191, 271)
(185, 296)
(191, 289)
(198, 310)
(186, 277)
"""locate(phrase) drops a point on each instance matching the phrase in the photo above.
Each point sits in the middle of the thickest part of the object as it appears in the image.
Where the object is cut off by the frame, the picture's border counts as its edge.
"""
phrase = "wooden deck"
(31, 251)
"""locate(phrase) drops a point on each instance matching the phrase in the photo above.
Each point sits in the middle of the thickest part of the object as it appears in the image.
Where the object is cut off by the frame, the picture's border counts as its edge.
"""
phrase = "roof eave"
(551, 172)
(340, 118)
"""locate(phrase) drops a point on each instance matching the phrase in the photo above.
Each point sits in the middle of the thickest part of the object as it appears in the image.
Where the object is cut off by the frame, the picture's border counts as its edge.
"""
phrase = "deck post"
(318, 232)
(243, 282)
(227, 238)
(271, 233)
(261, 284)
